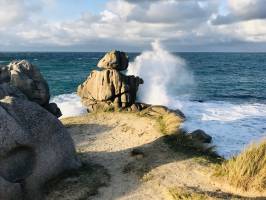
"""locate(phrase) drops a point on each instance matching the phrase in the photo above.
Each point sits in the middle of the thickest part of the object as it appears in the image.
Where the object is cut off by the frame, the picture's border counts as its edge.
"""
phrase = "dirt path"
(140, 164)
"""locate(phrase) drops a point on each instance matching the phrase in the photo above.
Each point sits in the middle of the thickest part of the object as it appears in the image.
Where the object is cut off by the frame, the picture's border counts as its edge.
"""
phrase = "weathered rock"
(109, 88)
(28, 79)
(114, 60)
(8, 90)
(10, 191)
(201, 136)
(4, 74)
(53, 108)
(34, 148)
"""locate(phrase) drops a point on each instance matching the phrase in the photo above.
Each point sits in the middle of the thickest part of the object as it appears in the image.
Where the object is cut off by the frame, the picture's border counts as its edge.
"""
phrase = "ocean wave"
(69, 104)
(167, 81)
(232, 126)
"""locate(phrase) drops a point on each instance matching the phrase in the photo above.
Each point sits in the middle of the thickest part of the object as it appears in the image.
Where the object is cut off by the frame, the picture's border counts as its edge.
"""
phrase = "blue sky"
(69, 9)
(131, 25)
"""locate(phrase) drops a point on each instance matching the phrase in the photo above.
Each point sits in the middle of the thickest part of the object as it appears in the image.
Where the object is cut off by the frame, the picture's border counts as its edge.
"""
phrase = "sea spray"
(167, 81)
(69, 104)
(165, 76)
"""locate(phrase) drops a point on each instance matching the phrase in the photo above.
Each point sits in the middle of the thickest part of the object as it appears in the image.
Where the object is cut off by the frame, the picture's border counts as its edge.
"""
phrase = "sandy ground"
(139, 162)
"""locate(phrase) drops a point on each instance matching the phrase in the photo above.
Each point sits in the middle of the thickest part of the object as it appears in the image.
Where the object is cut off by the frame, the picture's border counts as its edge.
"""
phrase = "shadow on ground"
(84, 183)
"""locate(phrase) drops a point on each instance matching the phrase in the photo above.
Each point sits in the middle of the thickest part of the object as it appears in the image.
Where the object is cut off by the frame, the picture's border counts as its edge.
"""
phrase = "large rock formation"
(28, 79)
(110, 89)
(114, 60)
(34, 146)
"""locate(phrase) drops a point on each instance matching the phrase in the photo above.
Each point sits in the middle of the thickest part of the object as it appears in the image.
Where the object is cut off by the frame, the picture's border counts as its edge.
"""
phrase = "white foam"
(232, 126)
(69, 104)
(166, 81)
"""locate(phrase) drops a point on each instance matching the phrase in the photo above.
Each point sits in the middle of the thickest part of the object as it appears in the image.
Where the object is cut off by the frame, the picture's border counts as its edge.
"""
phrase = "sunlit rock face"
(109, 88)
(27, 78)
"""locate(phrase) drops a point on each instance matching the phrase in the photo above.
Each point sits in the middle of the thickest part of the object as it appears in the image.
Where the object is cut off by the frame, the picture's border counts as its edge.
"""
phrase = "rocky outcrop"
(201, 136)
(28, 79)
(34, 147)
(114, 60)
(110, 89)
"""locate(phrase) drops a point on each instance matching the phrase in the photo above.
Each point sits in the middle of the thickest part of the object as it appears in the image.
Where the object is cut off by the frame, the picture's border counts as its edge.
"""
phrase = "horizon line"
(131, 51)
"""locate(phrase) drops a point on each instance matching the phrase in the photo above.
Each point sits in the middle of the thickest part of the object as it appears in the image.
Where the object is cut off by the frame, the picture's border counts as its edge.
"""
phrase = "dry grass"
(246, 171)
(182, 194)
(169, 123)
(179, 140)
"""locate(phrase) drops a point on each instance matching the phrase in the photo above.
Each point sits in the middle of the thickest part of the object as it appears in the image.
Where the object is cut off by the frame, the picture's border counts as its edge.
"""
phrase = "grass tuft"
(246, 171)
(181, 142)
(182, 194)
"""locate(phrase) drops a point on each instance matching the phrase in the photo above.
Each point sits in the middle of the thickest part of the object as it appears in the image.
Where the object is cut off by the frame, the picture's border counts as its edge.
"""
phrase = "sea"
(223, 94)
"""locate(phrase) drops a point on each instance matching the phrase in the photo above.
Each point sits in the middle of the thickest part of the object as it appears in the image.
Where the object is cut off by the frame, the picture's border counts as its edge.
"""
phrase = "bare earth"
(140, 164)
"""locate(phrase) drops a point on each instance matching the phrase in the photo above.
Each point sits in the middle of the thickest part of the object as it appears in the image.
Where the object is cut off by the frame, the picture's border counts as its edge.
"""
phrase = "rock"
(34, 148)
(4, 74)
(53, 108)
(109, 88)
(114, 60)
(201, 136)
(10, 191)
(28, 79)
(8, 90)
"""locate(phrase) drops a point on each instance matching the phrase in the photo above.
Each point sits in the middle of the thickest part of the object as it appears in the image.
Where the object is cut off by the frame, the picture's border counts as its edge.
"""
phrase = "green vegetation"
(247, 170)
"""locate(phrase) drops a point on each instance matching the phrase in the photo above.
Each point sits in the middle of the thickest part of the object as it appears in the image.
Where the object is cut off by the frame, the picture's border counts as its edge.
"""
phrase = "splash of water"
(70, 105)
(165, 76)
(166, 81)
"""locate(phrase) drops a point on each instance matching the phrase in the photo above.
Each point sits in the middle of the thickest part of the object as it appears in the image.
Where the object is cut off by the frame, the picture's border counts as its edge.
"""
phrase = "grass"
(179, 140)
(246, 171)
(182, 194)
(169, 124)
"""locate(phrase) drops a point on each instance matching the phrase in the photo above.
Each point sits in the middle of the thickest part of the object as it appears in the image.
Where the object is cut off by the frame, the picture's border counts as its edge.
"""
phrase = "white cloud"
(242, 10)
(132, 25)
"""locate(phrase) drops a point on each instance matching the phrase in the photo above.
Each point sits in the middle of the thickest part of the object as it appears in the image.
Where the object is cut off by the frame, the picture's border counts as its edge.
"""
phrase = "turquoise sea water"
(228, 99)
(219, 76)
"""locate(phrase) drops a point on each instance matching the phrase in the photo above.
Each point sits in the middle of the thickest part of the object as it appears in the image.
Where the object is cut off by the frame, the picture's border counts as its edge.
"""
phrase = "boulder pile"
(110, 89)
(28, 79)
(34, 145)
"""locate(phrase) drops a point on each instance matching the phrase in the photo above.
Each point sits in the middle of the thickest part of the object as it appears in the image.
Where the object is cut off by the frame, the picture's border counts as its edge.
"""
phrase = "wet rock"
(201, 136)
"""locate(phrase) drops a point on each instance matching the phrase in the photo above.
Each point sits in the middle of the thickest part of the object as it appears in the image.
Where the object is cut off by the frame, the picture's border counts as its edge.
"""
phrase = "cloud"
(130, 25)
(242, 10)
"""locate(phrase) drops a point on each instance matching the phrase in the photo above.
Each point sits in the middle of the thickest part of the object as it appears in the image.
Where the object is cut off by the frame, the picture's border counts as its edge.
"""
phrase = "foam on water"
(167, 81)
(232, 126)
(69, 104)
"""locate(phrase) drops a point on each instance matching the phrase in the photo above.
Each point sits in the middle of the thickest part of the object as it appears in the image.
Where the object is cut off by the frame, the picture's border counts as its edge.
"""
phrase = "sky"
(131, 25)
